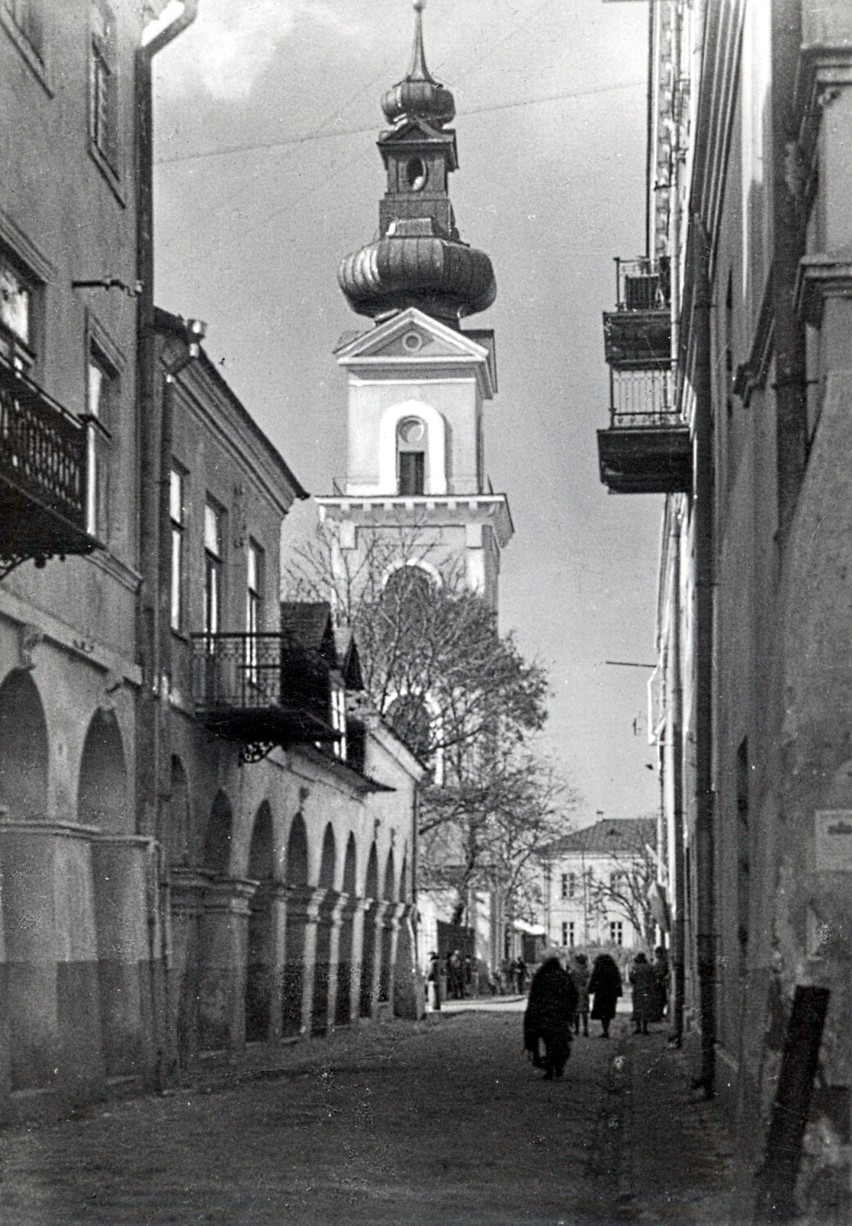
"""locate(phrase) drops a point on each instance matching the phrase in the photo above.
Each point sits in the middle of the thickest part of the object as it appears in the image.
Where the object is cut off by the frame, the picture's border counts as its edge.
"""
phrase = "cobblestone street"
(443, 1122)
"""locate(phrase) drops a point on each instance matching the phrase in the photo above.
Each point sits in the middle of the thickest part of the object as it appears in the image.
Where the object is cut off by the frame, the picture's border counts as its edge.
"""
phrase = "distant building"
(596, 882)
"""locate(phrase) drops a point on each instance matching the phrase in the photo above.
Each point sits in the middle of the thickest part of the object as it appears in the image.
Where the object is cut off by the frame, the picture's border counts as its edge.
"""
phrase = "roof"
(309, 624)
(613, 836)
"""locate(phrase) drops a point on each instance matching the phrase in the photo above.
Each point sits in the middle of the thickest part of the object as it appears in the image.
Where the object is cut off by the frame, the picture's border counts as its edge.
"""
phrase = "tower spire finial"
(418, 70)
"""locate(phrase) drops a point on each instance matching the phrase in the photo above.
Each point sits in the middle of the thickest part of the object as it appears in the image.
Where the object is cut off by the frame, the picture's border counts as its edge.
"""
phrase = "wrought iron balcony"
(638, 333)
(647, 448)
(262, 690)
(42, 475)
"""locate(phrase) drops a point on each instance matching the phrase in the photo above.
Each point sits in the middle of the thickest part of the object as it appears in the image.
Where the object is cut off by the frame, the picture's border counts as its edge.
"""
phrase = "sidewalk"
(677, 1156)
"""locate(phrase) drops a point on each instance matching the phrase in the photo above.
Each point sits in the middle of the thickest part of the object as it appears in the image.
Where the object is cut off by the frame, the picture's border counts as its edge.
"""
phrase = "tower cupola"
(418, 259)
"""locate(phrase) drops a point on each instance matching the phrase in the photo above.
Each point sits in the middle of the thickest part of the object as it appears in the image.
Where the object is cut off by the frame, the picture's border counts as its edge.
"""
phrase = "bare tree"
(457, 691)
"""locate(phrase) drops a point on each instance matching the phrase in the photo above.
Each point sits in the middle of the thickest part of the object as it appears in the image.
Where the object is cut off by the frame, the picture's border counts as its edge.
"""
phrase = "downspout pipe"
(703, 500)
(675, 756)
(153, 762)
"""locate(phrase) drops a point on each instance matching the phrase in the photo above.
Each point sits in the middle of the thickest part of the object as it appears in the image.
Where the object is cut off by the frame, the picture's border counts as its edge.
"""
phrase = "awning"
(533, 930)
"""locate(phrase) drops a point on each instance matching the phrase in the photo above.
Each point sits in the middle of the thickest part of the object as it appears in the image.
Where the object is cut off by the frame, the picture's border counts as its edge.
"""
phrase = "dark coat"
(551, 1004)
(646, 996)
(605, 986)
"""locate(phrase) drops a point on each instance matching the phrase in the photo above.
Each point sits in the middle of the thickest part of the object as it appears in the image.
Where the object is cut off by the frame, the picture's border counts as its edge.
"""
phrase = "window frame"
(29, 36)
(177, 539)
(103, 90)
(99, 440)
(214, 568)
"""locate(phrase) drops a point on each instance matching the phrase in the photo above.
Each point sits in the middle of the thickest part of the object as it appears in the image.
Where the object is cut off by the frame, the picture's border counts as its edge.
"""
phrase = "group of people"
(559, 1002)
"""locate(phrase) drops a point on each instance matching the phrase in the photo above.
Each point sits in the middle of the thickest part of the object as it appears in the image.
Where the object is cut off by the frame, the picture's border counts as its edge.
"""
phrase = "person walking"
(550, 1009)
(646, 997)
(520, 974)
(605, 986)
(580, 974)
(455, 975)
(433, 983)
(662, 975)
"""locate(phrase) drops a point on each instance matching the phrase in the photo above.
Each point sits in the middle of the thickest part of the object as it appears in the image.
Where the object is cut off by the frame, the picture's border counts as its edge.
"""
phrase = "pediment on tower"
(415, 131)
(414, 340)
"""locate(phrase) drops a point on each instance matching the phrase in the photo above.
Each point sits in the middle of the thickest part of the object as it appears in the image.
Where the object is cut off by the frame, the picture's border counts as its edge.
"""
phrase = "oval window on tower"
(416, 173)
(411, 430)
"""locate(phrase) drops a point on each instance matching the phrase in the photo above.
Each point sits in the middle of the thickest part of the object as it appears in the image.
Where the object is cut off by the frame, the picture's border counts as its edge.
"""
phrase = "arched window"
(411, 440)
(407, 585)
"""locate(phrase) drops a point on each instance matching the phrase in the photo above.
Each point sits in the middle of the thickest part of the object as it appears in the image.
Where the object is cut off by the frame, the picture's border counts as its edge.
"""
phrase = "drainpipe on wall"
(153, 778)
(703, 535)
(674, 751)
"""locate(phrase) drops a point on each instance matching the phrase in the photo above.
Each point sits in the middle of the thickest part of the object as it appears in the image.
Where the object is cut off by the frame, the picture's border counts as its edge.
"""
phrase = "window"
(27, 17)
(615, 880)
(177, 515)
(616, 932)
(568, 933)
(254, 595)
(213, 540)
(411, 456)
(100, 395)
(103, 82)
(569, 885)
(16, 316)
(338, 718)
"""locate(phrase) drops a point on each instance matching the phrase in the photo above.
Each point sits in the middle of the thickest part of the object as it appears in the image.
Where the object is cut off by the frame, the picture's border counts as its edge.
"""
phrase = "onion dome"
(418, 95)
(409, 266)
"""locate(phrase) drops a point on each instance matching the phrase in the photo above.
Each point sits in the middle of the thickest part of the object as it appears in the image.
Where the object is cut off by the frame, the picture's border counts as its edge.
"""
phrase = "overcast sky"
(550, 99)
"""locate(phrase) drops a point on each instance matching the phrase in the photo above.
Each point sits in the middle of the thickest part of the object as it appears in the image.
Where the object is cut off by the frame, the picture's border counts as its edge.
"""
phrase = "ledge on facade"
(818, 277)
(357, 779)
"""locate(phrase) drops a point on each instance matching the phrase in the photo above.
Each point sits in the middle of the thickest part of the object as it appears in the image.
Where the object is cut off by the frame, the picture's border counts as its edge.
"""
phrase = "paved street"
(443, 1122)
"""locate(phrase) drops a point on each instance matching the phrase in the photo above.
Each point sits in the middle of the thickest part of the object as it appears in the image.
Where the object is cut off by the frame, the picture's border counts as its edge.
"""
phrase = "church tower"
(418, 383)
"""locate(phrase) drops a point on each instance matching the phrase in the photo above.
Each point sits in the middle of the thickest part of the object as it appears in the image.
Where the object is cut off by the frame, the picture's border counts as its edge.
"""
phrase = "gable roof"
(613, 836)
(309, 624)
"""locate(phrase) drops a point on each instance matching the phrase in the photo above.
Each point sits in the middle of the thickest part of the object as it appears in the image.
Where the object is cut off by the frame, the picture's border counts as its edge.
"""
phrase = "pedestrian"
(455, 975)
(467, 972)
(580, 973)
(520, 975)
(433, 983)
(662, 974)
(646, 997)
(605, 986)
(547, 1018)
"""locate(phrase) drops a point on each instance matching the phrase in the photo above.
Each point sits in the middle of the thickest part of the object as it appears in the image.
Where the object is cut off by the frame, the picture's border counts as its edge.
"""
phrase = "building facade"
(732, 326)
(595, 884)
(205, 834)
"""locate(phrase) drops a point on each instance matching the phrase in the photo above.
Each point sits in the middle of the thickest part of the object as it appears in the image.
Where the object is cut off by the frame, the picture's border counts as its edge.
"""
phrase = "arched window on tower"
(411, 456)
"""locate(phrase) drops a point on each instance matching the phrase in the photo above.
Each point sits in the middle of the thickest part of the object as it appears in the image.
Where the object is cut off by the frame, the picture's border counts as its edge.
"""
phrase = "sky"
(267, 174)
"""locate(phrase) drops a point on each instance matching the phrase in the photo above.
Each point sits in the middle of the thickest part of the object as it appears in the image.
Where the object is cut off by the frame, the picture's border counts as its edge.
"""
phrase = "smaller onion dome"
(418, 95)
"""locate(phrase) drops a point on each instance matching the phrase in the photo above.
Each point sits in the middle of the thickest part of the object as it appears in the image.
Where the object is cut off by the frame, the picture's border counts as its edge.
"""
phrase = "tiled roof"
(309, 624)
(618, 836)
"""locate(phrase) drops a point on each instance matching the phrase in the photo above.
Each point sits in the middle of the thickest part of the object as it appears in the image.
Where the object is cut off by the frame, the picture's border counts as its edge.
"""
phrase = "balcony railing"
(637, 334)
(42, 474)
(641, 398)
(261, 690)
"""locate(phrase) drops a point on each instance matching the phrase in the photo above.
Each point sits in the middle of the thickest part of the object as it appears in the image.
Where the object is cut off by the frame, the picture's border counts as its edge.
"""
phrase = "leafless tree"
(632, 872)
(456, 690)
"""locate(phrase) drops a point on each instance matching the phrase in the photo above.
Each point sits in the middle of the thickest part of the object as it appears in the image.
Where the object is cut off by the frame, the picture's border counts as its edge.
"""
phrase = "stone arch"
(102, 789)
(177, 836)
(343, 1001)
(350, 866)
(328, 859)
(420, 564)
(260, 962)
(368, 950)
(435, 445)
(24, 750)
(389, 891)
(296, 869)
(296, 864)
(216, 856)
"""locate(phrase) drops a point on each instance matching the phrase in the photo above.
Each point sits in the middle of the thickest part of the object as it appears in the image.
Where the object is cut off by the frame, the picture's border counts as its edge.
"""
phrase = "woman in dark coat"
(605, 986)
(646, 995)
(551, 1005)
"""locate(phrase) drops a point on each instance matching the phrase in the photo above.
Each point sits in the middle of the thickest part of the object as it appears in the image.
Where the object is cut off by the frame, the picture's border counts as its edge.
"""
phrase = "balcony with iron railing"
(647, 448)
(638, 333)
(42, 474)
(261, 690)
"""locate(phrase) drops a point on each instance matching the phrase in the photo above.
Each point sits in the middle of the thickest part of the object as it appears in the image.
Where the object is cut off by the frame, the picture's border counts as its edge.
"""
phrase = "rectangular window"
(177, 516)
(412, 472)
(103, 82)
(569, 885)
(100, 397)
(213, 544)
(16, 316)
(27, 18)
(616, 932)
(615, 881)
(568, 933)
(338, 718)
(254, 570)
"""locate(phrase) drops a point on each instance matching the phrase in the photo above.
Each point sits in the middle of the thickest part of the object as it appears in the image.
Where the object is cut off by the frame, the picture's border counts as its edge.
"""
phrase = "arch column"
(187, 888)
(327, 951)
(303, 905)
(340, 1008)
(385, 948)
(360, 909)
(407, 995)
(223, 961)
